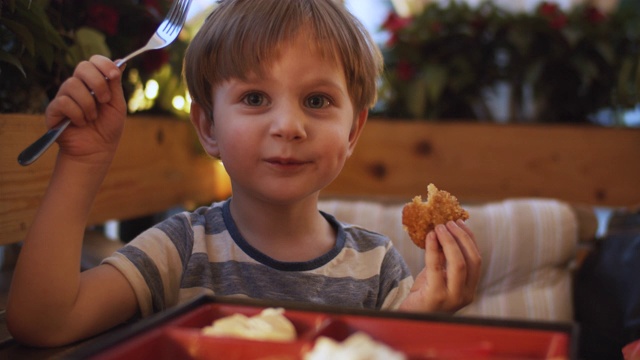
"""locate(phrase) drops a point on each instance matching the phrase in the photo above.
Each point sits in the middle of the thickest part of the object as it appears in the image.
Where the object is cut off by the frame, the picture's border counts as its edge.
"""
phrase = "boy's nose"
(289, 124)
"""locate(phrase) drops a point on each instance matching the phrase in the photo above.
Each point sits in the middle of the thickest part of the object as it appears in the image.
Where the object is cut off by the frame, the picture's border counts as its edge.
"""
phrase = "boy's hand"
(94, 102)
(452, 271)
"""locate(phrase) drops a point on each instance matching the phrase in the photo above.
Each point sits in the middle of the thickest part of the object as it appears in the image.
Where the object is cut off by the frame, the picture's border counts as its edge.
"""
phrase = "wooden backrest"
(485, 161)
(159, 165)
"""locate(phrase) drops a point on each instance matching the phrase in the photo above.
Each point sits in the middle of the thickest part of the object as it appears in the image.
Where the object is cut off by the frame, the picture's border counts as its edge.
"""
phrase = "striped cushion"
(527, 246)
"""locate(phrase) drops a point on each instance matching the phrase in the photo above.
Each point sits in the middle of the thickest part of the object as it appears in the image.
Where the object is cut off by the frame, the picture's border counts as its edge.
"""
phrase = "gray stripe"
(180, 232)
(149, 272)
(363, 240)
(229, 278)
(212, 219)
(394, 269)
(179, 228)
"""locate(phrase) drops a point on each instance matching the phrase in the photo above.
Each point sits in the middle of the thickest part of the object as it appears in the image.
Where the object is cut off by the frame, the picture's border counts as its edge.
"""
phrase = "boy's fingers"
(74, 95)
(469, 249)
(434, 266)
(108, 68)
(70, 110)
(94, 80)
(463, 236)
(117, 93)
(111, 75)
(84, 97)
(456, 264)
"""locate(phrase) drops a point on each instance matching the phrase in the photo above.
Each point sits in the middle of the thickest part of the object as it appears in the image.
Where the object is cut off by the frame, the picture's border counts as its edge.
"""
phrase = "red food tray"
(177, 334)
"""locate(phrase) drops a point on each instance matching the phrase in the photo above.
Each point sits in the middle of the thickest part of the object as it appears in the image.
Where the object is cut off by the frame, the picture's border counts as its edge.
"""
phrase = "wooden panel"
(481, 161)
(158, 165)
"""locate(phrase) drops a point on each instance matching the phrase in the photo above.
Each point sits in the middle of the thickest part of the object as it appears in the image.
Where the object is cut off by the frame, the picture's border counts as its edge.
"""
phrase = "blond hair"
(242, 37)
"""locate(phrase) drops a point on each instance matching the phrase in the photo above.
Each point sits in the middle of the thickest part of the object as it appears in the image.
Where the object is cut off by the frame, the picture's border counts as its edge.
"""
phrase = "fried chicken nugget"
(418, 218)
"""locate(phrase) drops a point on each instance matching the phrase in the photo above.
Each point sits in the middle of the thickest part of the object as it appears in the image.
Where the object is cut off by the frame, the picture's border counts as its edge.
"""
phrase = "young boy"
(281, 92)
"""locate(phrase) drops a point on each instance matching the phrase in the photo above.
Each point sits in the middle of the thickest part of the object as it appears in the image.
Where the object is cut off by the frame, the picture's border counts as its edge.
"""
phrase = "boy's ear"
(205, 129)
(356, 129)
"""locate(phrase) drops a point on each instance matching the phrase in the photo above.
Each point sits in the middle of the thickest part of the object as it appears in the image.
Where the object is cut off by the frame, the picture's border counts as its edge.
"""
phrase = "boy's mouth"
(285, 161)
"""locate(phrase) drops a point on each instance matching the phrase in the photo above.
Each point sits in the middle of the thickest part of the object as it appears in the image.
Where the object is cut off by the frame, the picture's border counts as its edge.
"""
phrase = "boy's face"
(287, 134)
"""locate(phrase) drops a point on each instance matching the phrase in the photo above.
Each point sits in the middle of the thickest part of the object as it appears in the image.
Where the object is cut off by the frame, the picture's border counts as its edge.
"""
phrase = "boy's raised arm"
(50, 302)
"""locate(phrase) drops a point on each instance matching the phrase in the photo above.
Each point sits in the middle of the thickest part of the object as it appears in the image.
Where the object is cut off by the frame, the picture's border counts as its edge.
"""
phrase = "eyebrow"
(331, 84)
(253, 78)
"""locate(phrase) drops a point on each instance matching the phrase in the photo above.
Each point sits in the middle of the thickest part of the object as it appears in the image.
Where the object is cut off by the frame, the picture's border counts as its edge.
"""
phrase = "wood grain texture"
(482, 162)
(158, 166)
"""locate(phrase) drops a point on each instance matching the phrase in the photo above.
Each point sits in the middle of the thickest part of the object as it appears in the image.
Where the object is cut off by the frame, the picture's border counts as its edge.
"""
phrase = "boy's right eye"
(254, 99)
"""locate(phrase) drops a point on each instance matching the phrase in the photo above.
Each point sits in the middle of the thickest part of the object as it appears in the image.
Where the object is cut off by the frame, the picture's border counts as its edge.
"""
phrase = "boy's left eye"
(317, 101)
(254, 99)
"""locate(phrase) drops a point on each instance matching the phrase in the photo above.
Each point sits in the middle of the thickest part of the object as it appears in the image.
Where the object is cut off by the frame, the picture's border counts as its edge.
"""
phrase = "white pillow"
(527, 246)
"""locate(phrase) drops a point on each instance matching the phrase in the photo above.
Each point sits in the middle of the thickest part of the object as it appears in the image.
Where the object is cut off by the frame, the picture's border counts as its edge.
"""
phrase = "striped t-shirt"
(198, 252)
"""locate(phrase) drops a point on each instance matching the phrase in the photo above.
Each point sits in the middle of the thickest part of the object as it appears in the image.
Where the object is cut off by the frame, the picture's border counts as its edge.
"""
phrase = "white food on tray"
(358, 346)
(269, 325)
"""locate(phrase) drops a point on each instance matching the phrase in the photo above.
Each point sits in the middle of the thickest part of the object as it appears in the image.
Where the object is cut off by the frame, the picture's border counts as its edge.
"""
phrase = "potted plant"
(41, 42)
(442, 61)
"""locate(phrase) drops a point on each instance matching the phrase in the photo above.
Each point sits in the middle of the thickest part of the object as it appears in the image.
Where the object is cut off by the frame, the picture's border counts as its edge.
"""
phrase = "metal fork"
(166, 33)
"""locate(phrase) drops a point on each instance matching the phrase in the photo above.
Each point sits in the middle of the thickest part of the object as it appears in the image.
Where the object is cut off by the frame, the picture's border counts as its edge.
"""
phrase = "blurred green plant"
(442, 62)
(41, 42)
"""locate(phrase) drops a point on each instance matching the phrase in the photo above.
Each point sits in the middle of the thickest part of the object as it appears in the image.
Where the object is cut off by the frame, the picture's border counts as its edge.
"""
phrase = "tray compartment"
(202, 347)
(420, 339)
(307, 324)
(429, 338)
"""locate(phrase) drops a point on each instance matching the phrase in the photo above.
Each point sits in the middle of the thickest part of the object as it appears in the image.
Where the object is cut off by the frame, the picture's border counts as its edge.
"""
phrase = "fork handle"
(35, 150)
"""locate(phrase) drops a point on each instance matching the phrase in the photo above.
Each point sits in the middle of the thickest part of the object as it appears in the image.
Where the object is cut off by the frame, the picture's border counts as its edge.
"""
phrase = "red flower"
(557, 19)
(594, 15)
(405, 71)
(395, 23)
(548, 9)
(558, 22)
(104, 18)
(392, 40)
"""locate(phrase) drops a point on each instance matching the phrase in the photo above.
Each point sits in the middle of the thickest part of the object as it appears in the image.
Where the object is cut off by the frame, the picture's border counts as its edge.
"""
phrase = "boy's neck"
(296, 232)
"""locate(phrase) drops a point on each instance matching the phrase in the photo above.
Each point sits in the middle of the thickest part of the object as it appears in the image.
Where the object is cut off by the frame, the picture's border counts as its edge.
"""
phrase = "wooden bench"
(160, 165)
(481, 161)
